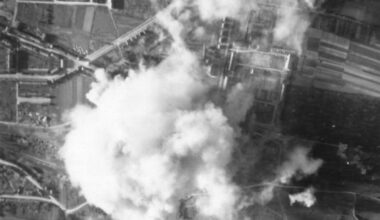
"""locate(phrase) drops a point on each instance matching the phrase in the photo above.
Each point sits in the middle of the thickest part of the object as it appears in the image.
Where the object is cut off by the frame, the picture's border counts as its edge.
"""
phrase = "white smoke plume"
(310, 3)
(292, 23)
(215, 9)
(290, 27)
(298, 162)
(210, 10)
(153, 138)
(306, 198)
(239, 101)
(149, 141)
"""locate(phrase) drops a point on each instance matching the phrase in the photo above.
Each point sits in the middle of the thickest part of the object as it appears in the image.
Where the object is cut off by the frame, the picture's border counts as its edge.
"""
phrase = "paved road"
(122, 39)
(10, 147)
(46, 200)
(32, 198)
(77, 61)
(50, 198)
(28, 177)
(96, 54)
(21, 76)
(108, 4)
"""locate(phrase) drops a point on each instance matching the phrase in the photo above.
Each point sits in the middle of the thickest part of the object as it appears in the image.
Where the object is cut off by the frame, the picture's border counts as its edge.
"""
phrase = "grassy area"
(66, 22)
(31, 90)
(7, 101)
(36, 61)
(139, 8)
(39, 15)
(332, 117)
(103, 29)
(3, 59)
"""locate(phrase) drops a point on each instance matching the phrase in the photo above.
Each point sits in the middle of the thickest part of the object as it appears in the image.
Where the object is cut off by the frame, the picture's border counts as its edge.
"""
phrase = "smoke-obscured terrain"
(157, 136)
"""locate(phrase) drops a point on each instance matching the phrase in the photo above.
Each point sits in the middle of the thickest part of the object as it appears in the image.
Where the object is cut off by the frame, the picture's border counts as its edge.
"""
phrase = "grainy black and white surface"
(189, 109)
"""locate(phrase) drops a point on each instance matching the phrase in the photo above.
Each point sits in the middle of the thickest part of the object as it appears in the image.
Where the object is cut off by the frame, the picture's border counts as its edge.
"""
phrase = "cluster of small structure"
(37, 115)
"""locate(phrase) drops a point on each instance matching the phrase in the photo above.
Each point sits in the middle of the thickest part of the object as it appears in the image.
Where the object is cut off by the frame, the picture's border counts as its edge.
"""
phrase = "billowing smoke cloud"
(214, 9)
(150, 140)
(210, 10)
(298, 163)
(292, 23)
(305, 198)
(154, 138)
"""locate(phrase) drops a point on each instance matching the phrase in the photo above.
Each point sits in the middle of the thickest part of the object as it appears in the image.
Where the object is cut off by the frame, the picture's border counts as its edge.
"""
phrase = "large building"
(237, 58)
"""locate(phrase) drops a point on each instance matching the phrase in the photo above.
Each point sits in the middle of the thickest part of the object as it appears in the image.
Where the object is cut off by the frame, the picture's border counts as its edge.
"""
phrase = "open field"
(35, 61)
(84, 28)
(39, 15)
(32, 90)
(332, 117)
(70, 24)
(103, 29)
(4, 59)
(142, 9)
(126, 23)
(7, 101)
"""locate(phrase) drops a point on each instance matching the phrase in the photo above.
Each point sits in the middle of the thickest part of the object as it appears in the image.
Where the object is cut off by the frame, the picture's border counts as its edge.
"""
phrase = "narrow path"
(69, 3)
(50, 199)
(41, 199)
(121, 39)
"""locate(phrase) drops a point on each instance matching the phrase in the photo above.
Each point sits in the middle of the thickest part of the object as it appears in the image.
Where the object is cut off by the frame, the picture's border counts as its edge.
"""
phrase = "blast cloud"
(150, 140)
(153, 138)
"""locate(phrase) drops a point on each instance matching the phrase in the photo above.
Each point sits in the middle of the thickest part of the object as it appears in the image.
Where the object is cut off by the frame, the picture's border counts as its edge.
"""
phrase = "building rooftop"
(264, 60)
